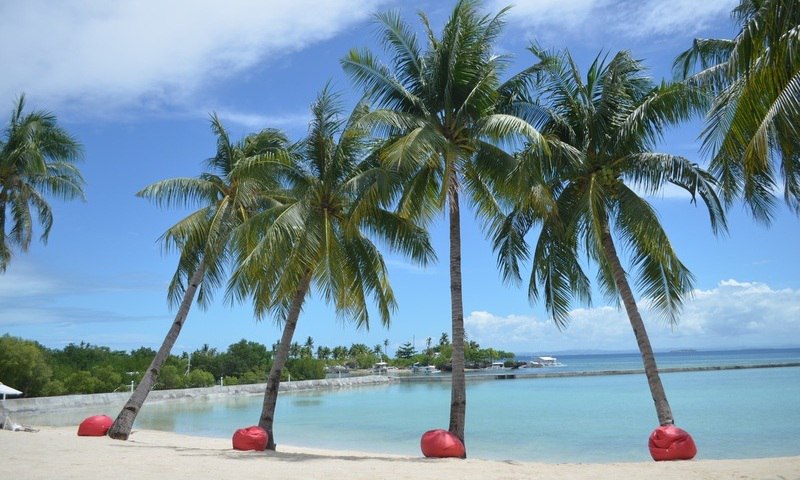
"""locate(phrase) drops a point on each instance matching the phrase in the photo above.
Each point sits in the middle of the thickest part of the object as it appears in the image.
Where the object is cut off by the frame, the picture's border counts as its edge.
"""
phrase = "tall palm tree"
(583, 198)
(441, 108)
(331, 198)
(230, 192)
(753, 127)
(37, 159)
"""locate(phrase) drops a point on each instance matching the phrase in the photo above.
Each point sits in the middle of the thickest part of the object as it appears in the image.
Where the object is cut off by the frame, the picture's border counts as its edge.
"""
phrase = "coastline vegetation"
(83, 368)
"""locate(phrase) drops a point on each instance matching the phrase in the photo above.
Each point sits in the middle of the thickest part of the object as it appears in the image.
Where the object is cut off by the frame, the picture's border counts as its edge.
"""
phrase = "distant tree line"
(84, 368)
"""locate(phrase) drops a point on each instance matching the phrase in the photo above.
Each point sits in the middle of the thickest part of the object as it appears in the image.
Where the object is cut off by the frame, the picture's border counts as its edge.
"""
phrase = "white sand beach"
(57, 452)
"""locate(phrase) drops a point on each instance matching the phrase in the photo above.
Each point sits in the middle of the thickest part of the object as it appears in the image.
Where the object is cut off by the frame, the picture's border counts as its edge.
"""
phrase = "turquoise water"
(730, 413)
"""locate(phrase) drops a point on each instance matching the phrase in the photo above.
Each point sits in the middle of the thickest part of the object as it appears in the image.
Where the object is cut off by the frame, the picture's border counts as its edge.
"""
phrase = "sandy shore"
(57, 452)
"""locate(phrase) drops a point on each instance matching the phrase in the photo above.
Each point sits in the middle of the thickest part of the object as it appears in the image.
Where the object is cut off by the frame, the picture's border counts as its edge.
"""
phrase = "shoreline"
(33, 405)
(58, 451)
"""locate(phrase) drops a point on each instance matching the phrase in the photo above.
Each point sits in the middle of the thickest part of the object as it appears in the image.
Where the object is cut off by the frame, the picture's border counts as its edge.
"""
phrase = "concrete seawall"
(115, 401)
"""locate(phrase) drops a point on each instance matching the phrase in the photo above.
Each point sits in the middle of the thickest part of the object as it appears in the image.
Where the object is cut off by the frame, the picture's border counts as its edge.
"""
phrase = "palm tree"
(752, 127)
(331, 197)
(441, 110)
(37, 159)
(607, 125)
(228, 194)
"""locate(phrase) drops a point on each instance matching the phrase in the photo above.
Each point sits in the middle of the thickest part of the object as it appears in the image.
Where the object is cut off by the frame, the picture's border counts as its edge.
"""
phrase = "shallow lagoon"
(731, 414)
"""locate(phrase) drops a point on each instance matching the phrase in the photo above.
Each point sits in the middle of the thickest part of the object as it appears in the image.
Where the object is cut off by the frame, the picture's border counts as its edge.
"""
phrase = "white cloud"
(22, 281)
(568, 14)
(151, 53)
(734, 314)
(251, 120)
(633, 19)
(654, 17)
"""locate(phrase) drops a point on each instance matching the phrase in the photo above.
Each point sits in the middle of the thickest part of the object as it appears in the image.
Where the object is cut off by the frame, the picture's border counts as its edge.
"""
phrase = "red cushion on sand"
(250, 438)
(441, 444)
(95, 426)
(671, 443)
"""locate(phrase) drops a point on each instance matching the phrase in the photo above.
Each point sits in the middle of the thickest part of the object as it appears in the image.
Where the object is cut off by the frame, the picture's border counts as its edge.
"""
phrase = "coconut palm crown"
(227, 194)
(37, 160)
(442, 110)
(583, 199)
(332, 195)
(753, 127)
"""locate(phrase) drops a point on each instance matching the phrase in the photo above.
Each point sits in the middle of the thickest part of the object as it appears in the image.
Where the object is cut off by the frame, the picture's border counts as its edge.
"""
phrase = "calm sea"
(730, 413)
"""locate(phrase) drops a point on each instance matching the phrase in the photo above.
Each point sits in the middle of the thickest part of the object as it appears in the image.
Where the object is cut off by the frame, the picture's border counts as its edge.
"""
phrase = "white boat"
(540, 362)
(427, 369)
(380, 367)
(497, 366)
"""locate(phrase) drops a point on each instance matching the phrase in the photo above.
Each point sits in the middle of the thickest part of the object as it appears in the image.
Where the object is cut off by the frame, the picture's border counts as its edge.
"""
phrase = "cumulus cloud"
(632, 19)
(150, 53)
(732, 315)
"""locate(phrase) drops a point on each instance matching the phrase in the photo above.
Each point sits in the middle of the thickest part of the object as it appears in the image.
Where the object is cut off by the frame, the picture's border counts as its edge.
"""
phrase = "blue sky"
(135, 82)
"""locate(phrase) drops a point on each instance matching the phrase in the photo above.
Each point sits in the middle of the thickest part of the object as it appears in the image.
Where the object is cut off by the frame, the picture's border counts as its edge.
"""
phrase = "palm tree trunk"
(5, 251)
(663, 410)
(458, 396)
(122, 426)
(267, 418)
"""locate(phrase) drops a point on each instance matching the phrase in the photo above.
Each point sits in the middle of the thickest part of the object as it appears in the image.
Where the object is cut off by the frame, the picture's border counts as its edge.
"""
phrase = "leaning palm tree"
(753, 127)
(37, 159)
(441, 109)
(227, 195)
(331, 198)
(582, 195)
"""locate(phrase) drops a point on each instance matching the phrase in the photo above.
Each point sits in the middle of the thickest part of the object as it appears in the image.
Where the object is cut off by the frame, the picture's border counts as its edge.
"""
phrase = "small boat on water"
(497, 366)
(380, 368)
(426, 369)
(540, 362)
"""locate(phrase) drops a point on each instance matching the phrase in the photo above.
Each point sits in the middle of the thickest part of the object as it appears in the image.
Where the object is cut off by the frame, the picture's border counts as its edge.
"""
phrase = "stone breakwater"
(115, 401)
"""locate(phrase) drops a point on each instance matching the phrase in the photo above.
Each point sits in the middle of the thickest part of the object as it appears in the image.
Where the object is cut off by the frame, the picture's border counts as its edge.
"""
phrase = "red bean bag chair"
(441, 444)
(671, 443)
(250, 438)
(95, 426)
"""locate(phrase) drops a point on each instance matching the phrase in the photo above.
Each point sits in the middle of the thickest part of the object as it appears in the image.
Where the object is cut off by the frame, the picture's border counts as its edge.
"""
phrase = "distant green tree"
(245, 356)
(405, 350)
(53, 388)
(358, 349)
(23, 365)
(444, 339)
(208, 359)
(340, 353)
(200, 378)
(170, 378)
(107, 377)
(305, 369)
(82, 381)
(323, 352)
(254, 377)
